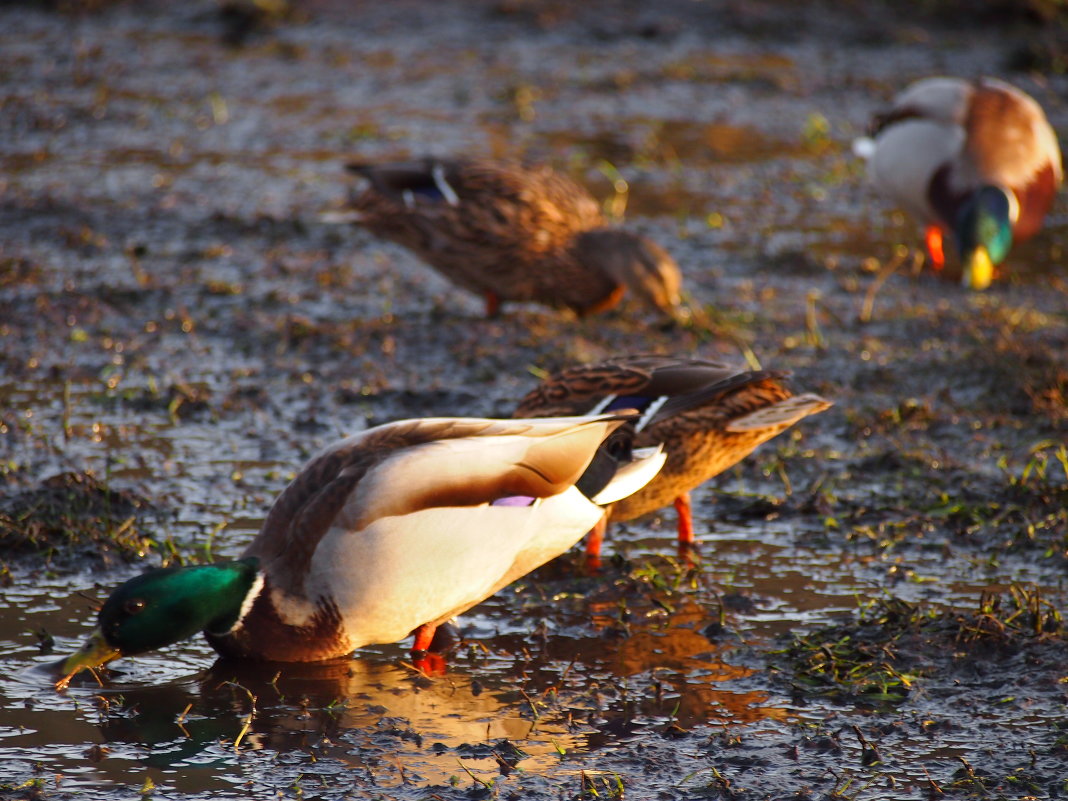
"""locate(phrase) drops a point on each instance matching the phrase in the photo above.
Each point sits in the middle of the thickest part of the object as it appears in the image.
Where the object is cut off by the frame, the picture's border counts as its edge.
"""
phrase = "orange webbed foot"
(429, 663)
(430, 643)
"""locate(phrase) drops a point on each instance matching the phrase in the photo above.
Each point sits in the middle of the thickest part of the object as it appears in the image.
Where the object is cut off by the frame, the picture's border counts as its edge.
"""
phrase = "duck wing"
(658, 387)
(488, 203)
(404, 467)
(416, 521)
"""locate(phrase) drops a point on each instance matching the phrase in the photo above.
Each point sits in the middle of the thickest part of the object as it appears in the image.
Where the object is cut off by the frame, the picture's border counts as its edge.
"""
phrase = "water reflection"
(493, 710)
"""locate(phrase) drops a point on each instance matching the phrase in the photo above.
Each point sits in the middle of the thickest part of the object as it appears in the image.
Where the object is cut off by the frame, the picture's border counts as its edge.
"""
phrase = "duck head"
(166, 606)
(638, 264)
(983, 231)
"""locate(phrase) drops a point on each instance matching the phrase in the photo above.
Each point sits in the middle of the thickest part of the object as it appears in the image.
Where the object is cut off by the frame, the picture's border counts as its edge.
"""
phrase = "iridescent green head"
(984, 234)
(165, 606)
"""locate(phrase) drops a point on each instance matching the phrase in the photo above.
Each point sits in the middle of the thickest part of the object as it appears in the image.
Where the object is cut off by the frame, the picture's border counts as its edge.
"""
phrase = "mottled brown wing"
(543, 206)
(492, 230)
(717, 405)
(577, 390)
(738, 394)
(496, 204)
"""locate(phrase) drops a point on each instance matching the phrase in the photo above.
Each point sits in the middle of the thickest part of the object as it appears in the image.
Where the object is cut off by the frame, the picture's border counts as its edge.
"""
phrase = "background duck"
(708, 416)
(385, 533)
(975, 159)
(513, 233)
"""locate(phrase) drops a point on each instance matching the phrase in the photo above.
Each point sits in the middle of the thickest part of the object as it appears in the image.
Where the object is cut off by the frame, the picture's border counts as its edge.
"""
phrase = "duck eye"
(133, 606)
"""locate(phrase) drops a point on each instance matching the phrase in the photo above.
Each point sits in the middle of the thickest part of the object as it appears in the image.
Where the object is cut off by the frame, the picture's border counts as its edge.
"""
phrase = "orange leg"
(933, 240)
(594, 541)
(424, 635)
(429, 664)
(493, 304)
(682, 506)
(687, 541)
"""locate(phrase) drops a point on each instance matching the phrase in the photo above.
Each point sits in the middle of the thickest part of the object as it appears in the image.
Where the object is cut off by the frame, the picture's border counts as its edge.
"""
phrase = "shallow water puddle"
(598, 674)
(174, 716)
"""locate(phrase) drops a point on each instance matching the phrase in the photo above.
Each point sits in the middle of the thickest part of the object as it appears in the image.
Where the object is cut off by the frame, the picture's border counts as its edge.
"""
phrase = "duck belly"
(428, 566)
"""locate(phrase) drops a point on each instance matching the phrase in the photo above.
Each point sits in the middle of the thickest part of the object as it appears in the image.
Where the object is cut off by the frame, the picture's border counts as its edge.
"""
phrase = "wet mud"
(876, 608)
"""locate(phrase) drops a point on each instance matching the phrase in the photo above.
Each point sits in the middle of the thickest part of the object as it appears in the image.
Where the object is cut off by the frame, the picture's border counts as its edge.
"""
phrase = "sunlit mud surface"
(177, 322)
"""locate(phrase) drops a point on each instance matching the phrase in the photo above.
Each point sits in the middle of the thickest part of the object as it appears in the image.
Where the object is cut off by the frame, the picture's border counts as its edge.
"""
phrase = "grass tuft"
(893, 644)
(73, 515)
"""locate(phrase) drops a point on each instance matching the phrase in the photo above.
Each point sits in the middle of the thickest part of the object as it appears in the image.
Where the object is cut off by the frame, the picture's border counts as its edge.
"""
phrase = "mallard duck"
(385, 533)
(974, 159)
(708, 416)
(512, 233)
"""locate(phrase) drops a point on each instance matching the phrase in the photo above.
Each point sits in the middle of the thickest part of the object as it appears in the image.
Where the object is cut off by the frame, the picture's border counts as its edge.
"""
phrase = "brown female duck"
(512, 233)
(708, 416)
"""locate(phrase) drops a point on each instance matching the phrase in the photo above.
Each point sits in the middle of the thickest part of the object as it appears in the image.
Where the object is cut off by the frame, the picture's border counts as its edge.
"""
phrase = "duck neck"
(232, 615)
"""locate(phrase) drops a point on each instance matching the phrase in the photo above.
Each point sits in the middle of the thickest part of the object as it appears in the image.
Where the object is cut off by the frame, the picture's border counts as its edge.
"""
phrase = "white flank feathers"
(427, 566)
(390, 566)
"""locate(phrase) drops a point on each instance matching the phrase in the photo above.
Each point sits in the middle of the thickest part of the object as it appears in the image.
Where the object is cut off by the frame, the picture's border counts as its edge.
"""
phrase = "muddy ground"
(876, 613)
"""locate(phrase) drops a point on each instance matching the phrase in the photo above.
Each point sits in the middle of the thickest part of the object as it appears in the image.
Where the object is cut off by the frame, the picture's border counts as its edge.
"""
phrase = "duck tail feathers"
(784, 413)
(629, 477)
(864, 147)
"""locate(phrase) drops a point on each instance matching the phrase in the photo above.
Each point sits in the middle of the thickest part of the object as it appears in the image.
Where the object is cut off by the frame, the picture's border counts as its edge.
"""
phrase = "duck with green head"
(386, 533)
(707, 414)
(974, 160)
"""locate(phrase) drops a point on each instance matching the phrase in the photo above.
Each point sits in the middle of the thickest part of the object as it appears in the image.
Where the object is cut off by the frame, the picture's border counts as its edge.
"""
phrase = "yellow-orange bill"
(93, 653)
(978, 269)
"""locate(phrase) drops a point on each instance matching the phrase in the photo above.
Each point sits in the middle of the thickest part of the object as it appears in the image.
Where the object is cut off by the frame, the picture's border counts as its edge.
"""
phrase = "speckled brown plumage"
(512, 233)
(712, 416)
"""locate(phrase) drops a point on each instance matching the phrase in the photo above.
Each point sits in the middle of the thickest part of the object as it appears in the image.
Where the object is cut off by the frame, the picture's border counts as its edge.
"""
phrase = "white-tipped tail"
(630, 478)
(864, 147)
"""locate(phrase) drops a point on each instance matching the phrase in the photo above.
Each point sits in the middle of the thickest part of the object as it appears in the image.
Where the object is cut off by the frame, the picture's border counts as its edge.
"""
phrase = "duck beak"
(95, 652)
(978, 269)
